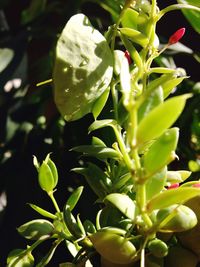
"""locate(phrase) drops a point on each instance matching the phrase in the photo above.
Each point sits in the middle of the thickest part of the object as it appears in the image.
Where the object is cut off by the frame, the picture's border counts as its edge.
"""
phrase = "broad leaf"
(123, 203)
(161, 152)
(170, 197)
(83, 68)
(160, 118)
(155, 184)
(36, 229)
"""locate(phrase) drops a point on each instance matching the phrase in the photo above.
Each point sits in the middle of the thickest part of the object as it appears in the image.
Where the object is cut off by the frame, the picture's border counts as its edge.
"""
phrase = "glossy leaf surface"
(164, 115)
(161, 152)
(83, 68)
(173, 196)
(123, 203)
(36, 229)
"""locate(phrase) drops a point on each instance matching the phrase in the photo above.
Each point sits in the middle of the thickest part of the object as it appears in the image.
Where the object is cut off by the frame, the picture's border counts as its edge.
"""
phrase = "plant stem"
(176, 7)
(54, 201)
(123, 149)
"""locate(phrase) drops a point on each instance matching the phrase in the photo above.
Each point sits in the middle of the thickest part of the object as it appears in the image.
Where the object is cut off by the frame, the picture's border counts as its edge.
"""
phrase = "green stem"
(176, 7)
(54, 201)
(123, 149)
(142, 258)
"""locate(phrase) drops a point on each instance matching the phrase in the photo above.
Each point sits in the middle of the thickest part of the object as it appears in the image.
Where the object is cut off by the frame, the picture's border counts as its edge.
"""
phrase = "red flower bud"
(127, 55)
(173, 186)
(174, 38)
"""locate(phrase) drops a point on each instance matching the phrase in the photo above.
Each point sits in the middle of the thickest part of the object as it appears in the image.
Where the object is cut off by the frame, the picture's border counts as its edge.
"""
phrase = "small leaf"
(36, 229)
(161, 152)
(100, 103)
(43, 212)
(97, 151)
(71, 222)
(123, 203)
(74, 197)
(176, 218)
(155, 98)
(170, 197)
(20, 258)
(169, 86)
(98, 124)
(130, 18)
(95, 177)
(164, 115)
(89, 227)
(155, 184)
(177, 176)
(135, 36)
(97, 142)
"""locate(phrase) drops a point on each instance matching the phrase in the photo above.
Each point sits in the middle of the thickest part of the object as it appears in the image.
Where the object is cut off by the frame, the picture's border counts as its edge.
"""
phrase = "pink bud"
(174, 38)
(173, 186)
(127, 55)
(196, 185)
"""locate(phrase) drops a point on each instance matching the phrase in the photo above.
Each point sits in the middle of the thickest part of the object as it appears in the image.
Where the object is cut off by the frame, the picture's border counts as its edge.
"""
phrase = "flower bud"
(174, 38)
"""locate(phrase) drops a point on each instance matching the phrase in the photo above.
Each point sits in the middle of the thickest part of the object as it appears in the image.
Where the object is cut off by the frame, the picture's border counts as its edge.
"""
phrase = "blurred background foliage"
(29, 122)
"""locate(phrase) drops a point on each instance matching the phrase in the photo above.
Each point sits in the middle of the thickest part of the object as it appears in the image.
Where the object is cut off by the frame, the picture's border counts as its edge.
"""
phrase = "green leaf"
(171, 197)
(169, 86)
(155, 184)
(83, 68)
(135, 36)
(192, 16)
(176, 218)
(100, 103)
(155, 98)
(20, 258)
(97, 142)
(161, 152)
(89, 227)
(98, 124)
(71, 222)
(6, 56)
(95, 177)
(177, 176)
(74, 197)
(123, 203)
(97, 151)
(36, 229)
(130, 18)
(43, 212)
(164, 115)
